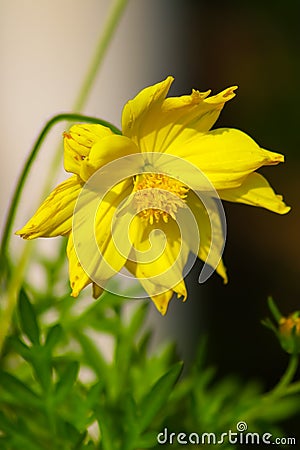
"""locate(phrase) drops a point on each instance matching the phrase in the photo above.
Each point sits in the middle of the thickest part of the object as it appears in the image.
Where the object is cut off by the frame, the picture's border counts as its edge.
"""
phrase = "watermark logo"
(152, 192)
(238, 437)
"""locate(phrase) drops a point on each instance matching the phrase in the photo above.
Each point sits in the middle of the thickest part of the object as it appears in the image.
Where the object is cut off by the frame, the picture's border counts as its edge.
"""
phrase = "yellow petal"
(158, 261)
(154, 122)
(256, 191)
(184, 117)
(54, 216)
(162, 301)
(226, 156)
(104, 151)
(209, 252)
(78, 142)
(139, 110)
(78, 277)
(97, 235)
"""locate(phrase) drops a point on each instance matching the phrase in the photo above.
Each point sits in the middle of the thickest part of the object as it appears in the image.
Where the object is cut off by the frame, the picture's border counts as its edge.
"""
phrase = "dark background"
(256, 46)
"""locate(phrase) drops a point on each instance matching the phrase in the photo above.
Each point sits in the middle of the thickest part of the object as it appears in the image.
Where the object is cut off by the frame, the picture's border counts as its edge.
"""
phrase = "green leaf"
(92, 354)
(274, 310)
(157, 397)
(138, 319)
(28, 319)
(53, 337)
(20, 348)
(16, 438)
(66, 381)
(106, 432)
(18, 390)
(148, 440)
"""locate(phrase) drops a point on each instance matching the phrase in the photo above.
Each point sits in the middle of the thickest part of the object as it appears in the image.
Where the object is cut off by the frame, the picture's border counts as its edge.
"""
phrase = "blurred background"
(45, 48)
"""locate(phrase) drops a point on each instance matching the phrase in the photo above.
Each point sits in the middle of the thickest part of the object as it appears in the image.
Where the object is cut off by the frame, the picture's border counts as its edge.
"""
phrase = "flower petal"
(158, 262)
(161, 301)
(78, 277)
(104, 151)
(98, 236)
(154, 122)
(208, 220)
(139, 111)
(256, 191)
(184, 117)
(226, 156)
(54, 216)
(78, 142)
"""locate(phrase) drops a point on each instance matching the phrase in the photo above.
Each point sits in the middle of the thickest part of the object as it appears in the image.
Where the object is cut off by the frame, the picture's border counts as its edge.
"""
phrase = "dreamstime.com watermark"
(241, 437)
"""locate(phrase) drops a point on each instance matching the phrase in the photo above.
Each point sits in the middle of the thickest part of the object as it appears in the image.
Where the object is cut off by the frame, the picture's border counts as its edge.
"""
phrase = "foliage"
(60, 387)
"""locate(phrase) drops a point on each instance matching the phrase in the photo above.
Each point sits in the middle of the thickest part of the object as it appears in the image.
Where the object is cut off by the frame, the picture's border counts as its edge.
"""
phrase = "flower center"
(158, 196)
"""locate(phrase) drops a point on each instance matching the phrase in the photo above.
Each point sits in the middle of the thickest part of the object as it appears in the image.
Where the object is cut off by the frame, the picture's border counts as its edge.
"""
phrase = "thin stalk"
(282, 389)
(11, 296)
(287, 377)
(105, 39)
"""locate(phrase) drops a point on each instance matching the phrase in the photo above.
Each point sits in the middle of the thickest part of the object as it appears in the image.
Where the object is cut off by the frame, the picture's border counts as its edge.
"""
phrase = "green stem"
(283, 388)
(27, 166)
(11, 296)
(101, 48)
(293, 388)
(287, 377)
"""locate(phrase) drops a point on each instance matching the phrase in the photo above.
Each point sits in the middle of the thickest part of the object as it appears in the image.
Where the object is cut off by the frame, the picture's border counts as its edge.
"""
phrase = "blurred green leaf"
(92, 354)
(28, 318)
(109, 437)
(18, 390)
(158, 395)
(42, 364)
(54, 335)
(66, 381)
(148, 440)
(20, 348)
(137, 320)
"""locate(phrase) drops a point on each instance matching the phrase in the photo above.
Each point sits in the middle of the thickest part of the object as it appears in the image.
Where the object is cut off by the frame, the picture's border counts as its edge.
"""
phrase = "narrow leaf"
(53, 337)
(92, 354)
(157, 397)
(274, 310)
(20, 348)
(28, 319)
(18, 390)
(66, 381)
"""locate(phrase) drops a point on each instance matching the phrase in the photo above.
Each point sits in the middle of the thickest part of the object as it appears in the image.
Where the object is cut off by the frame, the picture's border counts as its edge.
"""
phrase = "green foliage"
(60, 388)
(47, 401)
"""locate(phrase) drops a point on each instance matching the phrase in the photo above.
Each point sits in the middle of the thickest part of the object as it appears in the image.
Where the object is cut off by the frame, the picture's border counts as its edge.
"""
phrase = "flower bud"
(78, 142)
(289, 332)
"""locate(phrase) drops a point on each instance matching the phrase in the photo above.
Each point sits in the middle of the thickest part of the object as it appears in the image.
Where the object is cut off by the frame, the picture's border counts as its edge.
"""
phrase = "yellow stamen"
(158, 196)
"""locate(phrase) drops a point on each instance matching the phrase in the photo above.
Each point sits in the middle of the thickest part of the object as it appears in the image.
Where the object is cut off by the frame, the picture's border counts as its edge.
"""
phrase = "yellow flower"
(152, 186)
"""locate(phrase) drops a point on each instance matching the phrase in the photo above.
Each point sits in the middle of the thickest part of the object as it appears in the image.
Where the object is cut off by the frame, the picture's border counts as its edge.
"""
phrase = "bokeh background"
(45, 48)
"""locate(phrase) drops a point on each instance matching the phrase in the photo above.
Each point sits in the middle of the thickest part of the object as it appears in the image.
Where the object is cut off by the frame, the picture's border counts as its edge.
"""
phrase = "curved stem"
(287, 377)
(31, 158)
(283, 388)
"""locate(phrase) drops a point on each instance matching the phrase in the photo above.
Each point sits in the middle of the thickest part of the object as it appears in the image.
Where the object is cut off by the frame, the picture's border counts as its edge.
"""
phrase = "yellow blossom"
(172, 134)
